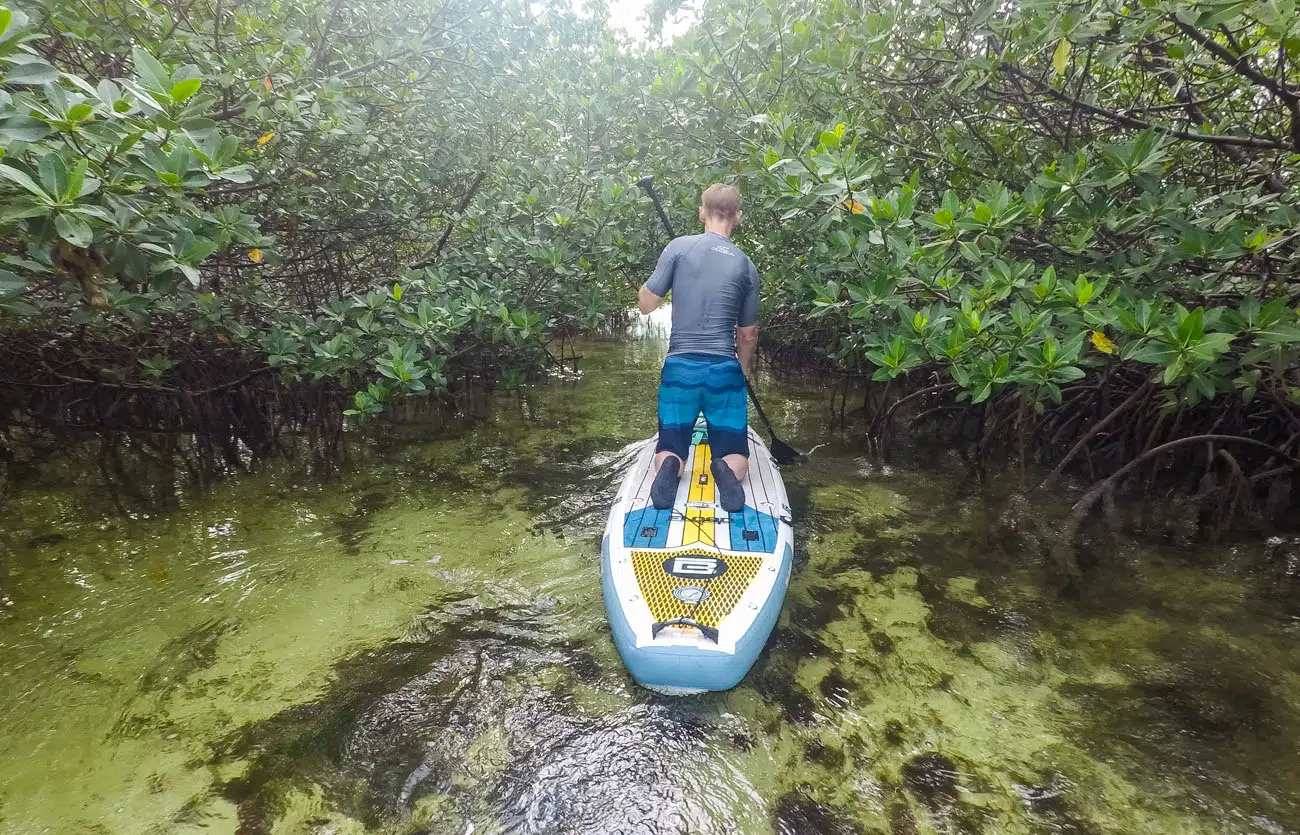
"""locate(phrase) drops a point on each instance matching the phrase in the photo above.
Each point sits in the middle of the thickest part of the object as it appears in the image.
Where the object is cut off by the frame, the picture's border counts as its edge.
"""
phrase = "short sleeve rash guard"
(714, 287)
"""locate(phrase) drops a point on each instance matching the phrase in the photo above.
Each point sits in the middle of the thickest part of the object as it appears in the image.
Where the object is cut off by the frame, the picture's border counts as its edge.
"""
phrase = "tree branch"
(451, 223)
(1142, 124)
(1242, 66)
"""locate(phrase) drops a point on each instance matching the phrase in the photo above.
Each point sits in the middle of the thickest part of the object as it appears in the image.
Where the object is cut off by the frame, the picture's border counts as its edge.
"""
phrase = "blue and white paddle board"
(693, 592)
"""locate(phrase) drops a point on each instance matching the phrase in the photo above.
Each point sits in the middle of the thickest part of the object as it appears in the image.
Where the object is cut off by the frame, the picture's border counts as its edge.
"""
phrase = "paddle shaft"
(647, 183)
(758, 407)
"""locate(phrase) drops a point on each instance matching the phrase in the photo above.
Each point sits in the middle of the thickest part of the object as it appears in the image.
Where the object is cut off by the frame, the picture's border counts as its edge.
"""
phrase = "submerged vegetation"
(419, 646)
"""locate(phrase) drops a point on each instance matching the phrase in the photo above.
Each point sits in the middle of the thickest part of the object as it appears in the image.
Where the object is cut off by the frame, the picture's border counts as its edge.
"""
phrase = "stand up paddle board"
(692, 592)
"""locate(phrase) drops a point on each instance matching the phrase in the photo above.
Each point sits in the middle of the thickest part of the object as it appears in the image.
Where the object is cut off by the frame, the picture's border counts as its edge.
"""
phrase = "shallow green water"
(419, 646)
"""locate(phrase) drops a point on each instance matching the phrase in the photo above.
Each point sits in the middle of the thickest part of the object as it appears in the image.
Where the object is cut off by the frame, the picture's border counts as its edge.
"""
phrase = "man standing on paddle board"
(715, 332)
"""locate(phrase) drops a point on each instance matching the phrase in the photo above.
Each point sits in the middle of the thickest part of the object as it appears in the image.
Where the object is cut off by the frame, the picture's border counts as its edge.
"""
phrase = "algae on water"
(420, 646)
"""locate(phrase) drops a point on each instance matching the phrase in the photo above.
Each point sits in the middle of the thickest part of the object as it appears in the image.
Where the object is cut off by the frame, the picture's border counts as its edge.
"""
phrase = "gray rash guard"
(715, 288)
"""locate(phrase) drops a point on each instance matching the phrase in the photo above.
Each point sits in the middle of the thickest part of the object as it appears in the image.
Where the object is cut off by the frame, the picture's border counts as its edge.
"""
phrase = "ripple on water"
(485, 712)
(421, 648)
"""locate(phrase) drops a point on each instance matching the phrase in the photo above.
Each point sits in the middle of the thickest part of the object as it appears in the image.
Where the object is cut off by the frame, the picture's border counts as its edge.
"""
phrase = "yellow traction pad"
(698, 568)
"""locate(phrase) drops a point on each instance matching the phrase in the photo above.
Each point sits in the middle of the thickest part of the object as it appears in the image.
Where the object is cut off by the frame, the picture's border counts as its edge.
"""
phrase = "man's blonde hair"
(721, 201)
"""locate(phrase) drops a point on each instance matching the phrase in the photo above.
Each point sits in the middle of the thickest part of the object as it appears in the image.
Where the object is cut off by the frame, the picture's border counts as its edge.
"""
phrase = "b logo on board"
(695, 567)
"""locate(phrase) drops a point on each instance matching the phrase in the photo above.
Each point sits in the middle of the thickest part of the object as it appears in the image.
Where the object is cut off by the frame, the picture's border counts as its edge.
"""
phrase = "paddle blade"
(783, 452)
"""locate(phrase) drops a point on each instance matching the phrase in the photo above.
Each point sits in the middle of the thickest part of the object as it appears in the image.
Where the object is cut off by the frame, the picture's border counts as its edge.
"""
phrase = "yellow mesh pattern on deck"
(657, 585)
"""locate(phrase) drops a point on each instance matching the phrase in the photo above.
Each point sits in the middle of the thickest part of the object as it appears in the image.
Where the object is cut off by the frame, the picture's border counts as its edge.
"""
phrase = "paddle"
(781, 451)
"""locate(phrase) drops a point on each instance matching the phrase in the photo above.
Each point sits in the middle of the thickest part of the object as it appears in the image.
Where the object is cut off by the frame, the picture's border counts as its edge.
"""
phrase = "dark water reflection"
(420, 647)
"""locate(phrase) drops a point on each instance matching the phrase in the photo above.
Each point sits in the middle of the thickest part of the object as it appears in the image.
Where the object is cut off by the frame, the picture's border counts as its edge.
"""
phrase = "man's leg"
(726, 413)
(678, 406)
(668, 473)
(663, 455)
(739, 465)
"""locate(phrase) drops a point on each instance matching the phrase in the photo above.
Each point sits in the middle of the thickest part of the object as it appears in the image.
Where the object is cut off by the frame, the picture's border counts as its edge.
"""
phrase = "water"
(419, 646)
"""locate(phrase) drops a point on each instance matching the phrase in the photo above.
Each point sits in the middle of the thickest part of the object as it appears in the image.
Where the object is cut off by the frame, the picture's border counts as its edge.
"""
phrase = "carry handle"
(707, 631)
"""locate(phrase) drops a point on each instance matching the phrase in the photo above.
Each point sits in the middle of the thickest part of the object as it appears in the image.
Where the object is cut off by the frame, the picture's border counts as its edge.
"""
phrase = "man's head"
(720, 208)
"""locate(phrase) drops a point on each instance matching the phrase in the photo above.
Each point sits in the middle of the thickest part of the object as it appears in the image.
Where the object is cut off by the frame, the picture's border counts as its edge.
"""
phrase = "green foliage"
(266, 175)
(108, 168)
(1013, 199)
(955, 289)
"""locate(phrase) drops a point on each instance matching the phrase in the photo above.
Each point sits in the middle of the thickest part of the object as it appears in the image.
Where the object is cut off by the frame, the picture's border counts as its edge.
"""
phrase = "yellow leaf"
(1102, 343)
(265, 138)
(255, 255)
(1060, 56)
(221, 337)
(854, 206)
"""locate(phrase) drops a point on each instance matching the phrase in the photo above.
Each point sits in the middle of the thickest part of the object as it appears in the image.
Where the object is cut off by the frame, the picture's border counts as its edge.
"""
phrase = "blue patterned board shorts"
(708, 383)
